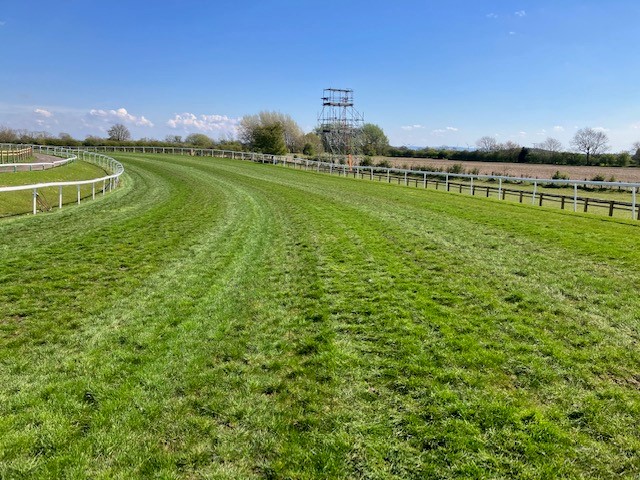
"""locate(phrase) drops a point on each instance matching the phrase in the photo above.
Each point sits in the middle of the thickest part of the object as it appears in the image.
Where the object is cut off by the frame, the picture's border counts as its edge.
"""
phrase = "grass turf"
(215, 318)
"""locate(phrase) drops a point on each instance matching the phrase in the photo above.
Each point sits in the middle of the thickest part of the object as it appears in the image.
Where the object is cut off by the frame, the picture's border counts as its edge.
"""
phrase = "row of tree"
(589, 147)
(588, 144)
(266, 132)
(277, 133)
(118, 134)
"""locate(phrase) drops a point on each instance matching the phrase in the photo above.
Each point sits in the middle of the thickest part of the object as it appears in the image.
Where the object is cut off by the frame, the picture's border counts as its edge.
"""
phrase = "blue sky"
(428, 72)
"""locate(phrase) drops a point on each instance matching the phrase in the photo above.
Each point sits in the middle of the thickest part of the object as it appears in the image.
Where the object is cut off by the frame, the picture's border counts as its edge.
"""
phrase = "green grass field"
(21, 202)
(223, 319)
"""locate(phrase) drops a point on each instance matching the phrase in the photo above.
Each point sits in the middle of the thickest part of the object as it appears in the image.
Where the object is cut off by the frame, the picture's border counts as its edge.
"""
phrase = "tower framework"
(340, 124)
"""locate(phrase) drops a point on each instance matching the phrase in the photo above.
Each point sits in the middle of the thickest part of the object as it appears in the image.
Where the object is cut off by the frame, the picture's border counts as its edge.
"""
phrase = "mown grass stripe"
(216, 318)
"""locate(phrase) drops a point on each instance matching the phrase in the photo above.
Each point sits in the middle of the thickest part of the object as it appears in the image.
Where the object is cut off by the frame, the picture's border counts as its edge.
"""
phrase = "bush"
(366, 161)
(456, 168)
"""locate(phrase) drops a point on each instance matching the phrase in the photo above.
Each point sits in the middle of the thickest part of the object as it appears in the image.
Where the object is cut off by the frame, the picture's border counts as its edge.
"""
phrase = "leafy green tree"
(522, 155)
(374, 141)
(312, 144)
(92, 140)
(251, 126)
(230, 145)
(199, 140)
(623, 159)
(269, 139)
(636, 155)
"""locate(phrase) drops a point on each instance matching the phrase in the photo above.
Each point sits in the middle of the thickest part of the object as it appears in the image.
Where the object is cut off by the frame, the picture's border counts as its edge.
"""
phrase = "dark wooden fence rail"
(564, 202)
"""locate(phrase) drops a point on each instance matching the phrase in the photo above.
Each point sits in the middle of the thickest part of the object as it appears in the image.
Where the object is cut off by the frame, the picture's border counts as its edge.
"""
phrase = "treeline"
(266, 132)
(197, 140)
(521, 155)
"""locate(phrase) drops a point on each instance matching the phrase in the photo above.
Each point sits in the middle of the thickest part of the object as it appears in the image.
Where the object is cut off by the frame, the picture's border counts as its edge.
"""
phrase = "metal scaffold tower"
(340, 124)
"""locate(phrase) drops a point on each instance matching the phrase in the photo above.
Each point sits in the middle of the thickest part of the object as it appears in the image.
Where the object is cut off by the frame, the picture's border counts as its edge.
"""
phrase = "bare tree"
(508, 145)
(8, 135)
(590, 141)
(487, 144)
(551, 145)
(119, 133)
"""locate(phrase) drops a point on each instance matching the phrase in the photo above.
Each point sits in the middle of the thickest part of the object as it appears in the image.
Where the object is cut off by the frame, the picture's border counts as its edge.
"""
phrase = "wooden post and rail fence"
(13, 154)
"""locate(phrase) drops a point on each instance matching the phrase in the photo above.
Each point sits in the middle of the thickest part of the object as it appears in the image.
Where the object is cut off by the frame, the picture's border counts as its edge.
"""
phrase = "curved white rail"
(109, 182)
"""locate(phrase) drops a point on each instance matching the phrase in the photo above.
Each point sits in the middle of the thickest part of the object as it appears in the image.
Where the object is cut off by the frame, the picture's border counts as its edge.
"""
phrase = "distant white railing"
(34, 166)
(408, 177)
(109, 182)
(419, 177)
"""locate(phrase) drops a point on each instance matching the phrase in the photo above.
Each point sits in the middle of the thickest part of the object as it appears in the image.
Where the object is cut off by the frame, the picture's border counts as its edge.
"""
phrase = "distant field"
(21, 202)
(630, 174)
(225, 319)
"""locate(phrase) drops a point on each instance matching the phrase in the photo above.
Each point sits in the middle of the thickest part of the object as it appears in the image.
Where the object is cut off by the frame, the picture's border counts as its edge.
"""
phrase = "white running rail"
(104, 184)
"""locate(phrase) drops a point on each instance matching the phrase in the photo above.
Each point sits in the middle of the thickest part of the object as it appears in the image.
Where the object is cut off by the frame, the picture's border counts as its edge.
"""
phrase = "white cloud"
(412, 127)
(542, 132)
(492, 15)
(439, 132)
(2, 23)
(121, 115)
(512, 33)
(558, 128)
(636, 126)
(42, 112)
(601, 129)
(207, 123)
(521, 13)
